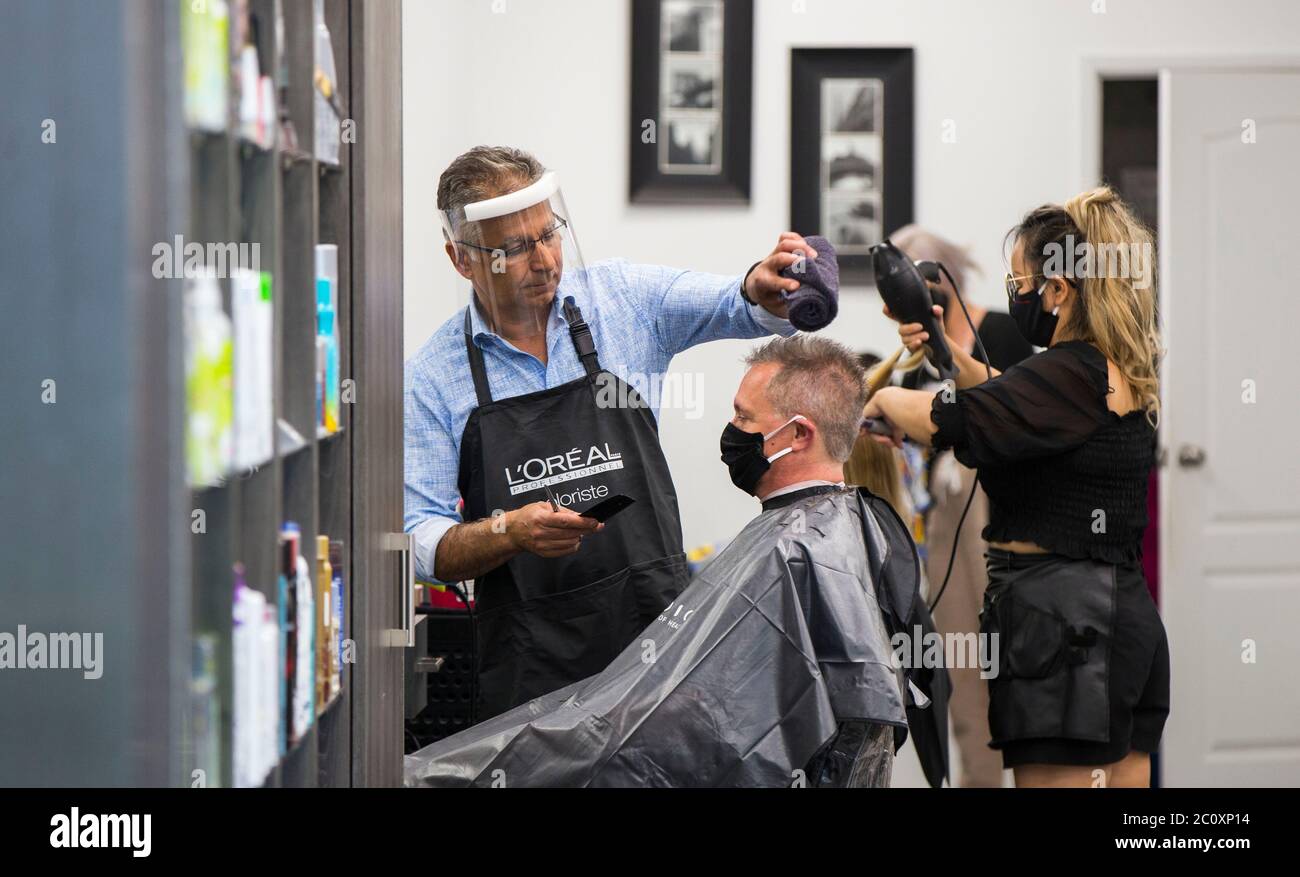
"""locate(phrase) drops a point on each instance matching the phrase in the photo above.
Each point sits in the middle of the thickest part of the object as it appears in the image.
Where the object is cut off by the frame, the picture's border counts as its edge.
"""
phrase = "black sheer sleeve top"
(1060, 469)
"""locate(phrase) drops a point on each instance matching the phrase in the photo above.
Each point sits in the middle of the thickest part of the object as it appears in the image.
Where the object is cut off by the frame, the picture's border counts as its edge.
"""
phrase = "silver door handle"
(1190, 456)
(404, 543)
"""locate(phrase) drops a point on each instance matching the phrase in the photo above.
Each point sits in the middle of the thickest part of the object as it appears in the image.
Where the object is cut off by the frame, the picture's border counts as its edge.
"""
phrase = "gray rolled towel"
(814, 304)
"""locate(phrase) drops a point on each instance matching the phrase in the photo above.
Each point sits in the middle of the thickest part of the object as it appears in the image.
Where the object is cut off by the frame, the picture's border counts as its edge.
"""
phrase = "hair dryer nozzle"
(905, 292)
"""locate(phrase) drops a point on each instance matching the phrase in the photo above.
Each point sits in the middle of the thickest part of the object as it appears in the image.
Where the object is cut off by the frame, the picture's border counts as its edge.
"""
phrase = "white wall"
(551, 76)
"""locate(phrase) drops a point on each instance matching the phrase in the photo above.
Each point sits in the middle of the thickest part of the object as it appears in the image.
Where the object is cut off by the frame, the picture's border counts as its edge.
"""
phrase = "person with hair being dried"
(776, 666)
(948, 485)
(1063, 443)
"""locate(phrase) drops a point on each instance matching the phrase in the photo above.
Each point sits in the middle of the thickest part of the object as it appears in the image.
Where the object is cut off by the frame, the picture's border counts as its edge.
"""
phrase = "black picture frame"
(885, 188)
(729, 182)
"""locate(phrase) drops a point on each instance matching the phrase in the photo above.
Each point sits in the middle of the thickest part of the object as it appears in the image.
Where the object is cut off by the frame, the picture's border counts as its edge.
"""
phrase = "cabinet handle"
(404, 543)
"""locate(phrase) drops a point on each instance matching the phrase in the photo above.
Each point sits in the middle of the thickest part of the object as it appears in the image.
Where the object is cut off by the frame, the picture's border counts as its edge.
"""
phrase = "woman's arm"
(1049, 403)
(970, 371)
(907, 410)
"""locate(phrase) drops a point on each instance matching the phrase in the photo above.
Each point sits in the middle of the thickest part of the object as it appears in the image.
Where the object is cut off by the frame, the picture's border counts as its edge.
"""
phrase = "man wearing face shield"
(516, 406)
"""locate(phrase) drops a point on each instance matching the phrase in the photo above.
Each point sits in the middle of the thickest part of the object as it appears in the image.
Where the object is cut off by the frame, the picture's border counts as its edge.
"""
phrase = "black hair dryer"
(903, 288)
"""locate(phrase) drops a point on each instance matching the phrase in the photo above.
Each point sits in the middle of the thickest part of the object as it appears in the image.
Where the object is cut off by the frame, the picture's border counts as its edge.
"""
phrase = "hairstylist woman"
(1063, 442)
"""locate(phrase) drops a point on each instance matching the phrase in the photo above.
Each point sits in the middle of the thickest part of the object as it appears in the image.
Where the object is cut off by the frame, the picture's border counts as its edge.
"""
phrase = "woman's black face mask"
(1036, 325)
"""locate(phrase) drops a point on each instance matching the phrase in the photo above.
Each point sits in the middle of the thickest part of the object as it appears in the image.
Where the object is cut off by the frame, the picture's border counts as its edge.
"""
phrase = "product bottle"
(327, 120)
(205, 35)
(268, 722)
(289, 536)
(264, 369)
(248, 612)
(322, 356)
(327, 340)
(336, 639)
(324, 621)
(205, 708)
(209, 381)
(305, 684)
(330, 394)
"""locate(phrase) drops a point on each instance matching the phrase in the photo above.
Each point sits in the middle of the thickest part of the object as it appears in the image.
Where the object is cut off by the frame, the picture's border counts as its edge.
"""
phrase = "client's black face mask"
(1035, 324)
(743, 453)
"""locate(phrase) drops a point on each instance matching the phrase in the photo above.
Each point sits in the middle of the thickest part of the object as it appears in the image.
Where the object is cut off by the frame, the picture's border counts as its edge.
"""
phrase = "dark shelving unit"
(100, 531)
(287, 202)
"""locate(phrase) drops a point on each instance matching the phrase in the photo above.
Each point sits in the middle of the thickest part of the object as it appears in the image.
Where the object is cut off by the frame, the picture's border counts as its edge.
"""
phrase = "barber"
(520, 392)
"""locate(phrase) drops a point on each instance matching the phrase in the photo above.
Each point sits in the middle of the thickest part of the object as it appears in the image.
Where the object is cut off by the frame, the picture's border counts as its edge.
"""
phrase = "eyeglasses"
(551, 238)
(1013, 284)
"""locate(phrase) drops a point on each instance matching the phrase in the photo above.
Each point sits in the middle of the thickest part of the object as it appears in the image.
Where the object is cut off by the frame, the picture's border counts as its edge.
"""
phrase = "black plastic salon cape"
(742, 679)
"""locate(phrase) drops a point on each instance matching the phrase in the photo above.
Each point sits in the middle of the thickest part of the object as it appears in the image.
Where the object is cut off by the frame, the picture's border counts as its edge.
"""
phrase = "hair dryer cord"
(956, 536)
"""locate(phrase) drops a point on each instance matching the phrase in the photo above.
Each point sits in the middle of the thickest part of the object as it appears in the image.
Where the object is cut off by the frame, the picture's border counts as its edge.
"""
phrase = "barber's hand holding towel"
(765, 285)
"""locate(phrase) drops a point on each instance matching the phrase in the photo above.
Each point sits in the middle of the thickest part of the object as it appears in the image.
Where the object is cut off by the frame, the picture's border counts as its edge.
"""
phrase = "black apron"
(1055, 620)
(546, 623)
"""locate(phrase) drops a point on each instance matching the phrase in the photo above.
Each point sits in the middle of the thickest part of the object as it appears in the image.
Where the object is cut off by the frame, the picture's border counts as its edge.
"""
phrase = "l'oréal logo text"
(576, 463)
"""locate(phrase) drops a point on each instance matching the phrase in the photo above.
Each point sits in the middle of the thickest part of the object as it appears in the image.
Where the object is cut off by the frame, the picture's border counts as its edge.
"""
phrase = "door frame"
(1095, 68)
(1093, 71)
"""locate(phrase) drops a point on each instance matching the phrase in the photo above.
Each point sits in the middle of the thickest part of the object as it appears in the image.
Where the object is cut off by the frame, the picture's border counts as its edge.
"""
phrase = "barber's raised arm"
(686, 308)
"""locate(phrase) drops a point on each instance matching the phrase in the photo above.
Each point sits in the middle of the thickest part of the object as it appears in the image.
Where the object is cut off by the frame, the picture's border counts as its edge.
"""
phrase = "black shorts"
(1082, 674)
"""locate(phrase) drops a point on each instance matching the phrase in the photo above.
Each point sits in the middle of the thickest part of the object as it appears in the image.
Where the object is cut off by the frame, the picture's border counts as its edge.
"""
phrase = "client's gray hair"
(820, 379)
(486, 172)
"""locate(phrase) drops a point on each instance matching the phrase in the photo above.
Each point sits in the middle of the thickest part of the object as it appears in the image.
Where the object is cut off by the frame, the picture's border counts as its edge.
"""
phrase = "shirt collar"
(481, 331)
(800, 485)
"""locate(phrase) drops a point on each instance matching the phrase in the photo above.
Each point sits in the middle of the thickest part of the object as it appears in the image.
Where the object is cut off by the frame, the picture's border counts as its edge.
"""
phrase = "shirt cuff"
(950, 420)
(428, 533)
(770, 321)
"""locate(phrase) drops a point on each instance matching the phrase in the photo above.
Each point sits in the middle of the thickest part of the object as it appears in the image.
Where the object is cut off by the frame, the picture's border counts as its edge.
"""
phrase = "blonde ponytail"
(882, 371)
(1118, 295)
(874, 465)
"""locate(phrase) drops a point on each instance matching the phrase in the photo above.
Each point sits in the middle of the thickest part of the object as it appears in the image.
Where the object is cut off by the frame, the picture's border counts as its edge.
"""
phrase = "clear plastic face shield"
(518, 250)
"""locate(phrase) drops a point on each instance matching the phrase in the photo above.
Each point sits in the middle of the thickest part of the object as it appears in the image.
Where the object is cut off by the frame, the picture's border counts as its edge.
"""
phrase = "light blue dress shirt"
(640, 317)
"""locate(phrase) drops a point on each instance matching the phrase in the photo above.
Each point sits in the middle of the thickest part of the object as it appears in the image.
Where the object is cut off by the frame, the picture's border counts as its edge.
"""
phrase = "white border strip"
(514, 201)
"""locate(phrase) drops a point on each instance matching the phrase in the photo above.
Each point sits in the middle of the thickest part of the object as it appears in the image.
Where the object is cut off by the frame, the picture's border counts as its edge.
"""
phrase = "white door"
(1230, 489)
